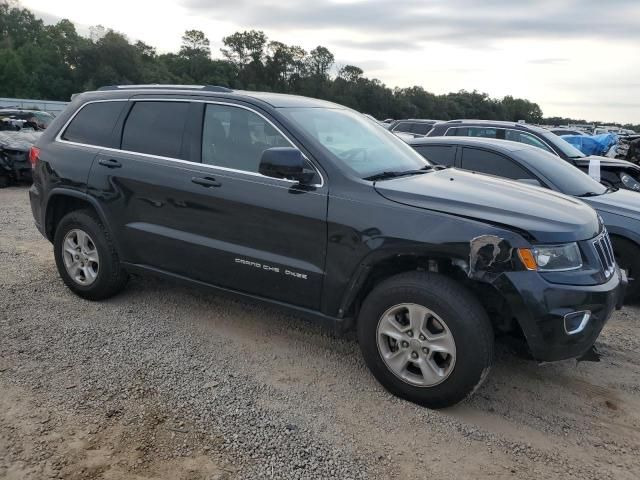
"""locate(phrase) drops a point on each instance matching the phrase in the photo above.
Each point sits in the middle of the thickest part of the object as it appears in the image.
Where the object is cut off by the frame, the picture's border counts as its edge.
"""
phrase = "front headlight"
(551, 258)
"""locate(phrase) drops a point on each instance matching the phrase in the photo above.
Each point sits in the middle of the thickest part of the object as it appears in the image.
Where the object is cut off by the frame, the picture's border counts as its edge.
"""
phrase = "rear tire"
(93, 273)
(627, 255)
(443, 309)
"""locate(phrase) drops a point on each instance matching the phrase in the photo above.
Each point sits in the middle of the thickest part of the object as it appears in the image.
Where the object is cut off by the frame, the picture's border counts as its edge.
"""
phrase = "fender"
(479, 259)
(68, 192)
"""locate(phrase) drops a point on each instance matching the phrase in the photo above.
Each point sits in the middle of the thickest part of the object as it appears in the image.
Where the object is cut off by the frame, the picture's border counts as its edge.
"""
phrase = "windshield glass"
(355, 141)
(570, 180)
(561, 144)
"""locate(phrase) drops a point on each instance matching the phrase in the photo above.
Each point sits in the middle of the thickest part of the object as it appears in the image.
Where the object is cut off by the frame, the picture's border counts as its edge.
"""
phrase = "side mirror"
(530, 181)
(287, 163)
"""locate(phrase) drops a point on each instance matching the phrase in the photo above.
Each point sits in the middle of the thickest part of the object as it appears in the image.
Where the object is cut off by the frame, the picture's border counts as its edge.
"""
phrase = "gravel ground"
(164, 381)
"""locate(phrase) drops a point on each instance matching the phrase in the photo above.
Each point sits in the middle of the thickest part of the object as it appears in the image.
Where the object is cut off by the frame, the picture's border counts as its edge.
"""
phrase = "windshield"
(570, 180)
(355, 141)
(564, 146)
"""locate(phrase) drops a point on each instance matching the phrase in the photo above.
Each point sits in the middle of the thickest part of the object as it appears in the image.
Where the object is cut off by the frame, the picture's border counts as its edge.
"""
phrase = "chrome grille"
(604, 251)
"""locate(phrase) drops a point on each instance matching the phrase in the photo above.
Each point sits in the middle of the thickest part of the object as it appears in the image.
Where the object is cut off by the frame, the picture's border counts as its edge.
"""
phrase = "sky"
(575, 58)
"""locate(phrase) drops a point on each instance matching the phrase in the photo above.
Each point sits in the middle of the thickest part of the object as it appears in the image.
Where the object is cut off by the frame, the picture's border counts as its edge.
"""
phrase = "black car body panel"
(318, 247)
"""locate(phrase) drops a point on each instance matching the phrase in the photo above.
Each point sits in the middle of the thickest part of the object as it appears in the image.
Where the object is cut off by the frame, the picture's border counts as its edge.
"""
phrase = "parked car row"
(311, 206)
(19, 129)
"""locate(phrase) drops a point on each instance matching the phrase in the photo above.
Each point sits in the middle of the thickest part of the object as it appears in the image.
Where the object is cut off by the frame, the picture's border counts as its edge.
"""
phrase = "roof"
(493, 123)
(418, 120)
(276, 100)
(497, 145)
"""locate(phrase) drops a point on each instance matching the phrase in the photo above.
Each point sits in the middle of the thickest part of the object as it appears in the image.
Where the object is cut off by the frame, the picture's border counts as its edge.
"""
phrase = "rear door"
(144, 184)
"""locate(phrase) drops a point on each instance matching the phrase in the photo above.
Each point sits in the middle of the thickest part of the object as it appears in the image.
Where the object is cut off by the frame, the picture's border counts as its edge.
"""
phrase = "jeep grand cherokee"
(309, 205)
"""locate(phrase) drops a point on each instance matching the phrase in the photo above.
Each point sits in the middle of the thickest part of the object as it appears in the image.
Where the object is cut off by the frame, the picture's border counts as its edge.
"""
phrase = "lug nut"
(410, 333)
(404, 344)
(425, 349)
(414, 355)
(422, 337)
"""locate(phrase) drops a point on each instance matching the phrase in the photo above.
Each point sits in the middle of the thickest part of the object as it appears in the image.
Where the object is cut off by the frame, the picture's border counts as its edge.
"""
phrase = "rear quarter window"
(94, 124)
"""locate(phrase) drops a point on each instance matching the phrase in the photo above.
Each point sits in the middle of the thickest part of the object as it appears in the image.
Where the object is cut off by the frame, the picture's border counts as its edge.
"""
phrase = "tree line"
(51, 62)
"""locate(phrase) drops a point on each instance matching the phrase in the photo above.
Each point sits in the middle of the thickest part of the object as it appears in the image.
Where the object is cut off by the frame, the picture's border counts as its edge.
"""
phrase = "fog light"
(576, 322)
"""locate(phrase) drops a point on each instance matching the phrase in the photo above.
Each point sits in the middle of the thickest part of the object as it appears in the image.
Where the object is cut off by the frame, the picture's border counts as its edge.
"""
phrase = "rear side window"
(527, 138)
(438, 154)
(94, 123)
(457, 132)
(403, 127)
(421, 128)
(482, 161)
(156, 128)
(482, 132)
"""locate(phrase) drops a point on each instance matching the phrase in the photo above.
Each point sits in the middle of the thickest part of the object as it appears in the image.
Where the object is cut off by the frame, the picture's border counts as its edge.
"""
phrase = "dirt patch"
(38, 442)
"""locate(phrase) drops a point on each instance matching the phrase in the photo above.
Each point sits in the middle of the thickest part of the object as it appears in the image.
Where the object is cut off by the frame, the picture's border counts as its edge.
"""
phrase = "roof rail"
(202, 88)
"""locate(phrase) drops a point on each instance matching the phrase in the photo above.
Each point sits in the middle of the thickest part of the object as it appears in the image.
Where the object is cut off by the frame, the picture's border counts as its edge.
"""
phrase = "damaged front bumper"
(545, 311)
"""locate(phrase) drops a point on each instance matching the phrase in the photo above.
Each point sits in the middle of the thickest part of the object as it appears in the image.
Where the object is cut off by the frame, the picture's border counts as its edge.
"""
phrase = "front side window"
(482, 161)
(524, 137)
(156, 128)
(355, 142)
(94, 123)
(235, 137)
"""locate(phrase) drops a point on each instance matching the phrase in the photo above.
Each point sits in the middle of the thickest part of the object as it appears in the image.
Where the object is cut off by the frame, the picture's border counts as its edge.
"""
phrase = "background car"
(566, 131)
(14, 156)
(620, 209)
(413, 126)
(613, 172)
(27, 119)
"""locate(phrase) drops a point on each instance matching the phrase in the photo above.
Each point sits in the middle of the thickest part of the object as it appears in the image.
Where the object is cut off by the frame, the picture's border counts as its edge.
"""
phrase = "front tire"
(86, 256)
(426, 338)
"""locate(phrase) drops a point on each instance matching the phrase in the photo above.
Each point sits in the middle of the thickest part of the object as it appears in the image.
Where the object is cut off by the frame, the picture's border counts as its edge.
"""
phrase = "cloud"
(549, 61)
(381, 24)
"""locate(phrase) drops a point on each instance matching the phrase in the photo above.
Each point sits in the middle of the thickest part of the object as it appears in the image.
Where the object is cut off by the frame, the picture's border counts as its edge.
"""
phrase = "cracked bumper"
(540, 306)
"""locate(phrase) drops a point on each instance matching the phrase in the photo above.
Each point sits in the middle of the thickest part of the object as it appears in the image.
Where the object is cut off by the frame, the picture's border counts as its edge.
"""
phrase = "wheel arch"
(372, 271)
(62, 201)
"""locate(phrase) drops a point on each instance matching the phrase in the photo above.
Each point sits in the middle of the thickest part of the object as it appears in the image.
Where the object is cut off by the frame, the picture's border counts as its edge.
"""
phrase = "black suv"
(309, 205)
(612, 172)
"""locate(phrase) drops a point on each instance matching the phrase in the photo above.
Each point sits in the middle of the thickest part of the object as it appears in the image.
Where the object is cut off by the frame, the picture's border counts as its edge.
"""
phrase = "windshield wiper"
(590, 194)
(389, 175)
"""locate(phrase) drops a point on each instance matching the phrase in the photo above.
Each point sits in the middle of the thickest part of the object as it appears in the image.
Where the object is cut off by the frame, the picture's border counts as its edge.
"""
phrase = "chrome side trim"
(59, 138)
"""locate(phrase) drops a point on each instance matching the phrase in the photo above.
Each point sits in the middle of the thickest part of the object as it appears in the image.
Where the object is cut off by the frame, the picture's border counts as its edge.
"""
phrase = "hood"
(621, 202)
(605, 162)
(548, 216)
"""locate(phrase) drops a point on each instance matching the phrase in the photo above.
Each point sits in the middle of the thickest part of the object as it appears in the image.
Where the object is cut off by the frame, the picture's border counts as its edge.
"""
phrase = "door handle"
(109, 163)
(208, 182)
